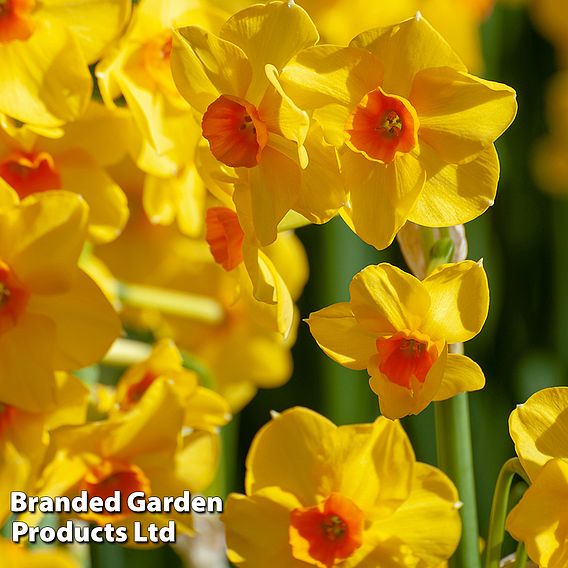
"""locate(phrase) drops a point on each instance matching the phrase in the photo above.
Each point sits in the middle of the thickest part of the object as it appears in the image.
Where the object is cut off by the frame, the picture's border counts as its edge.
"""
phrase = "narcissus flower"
(539, 429)
(52, 315)
(204, 409)
(45, 48)
(250, 123)
(398, 328)
(139, 451)
(416, 130)
(34, 164)
(350, 496)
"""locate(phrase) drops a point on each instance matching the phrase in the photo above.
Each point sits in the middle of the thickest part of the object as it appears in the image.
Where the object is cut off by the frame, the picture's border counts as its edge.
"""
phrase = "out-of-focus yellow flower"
(24, 436)
(245, 349)
(416, 129)
(52, 315)
(350, 496)
(399, 328)
(14, 555)
(232, 81)
(549, 17)
(539, 429)
(34, 164)
(204, 409)
(139, 451)
(45, 48)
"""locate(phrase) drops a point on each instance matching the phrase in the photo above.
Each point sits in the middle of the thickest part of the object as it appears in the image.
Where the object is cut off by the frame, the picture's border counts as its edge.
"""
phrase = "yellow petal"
(377, 463)
(197, 461)
(539, 428)
(455, 193)
(268, 514)
(205, 66)
(108, 206)
(206, 410)
(539, 520)
(71, 404)
(44, 80)
(95, 23)
(85, 323)
(405, 49)
(460, 375)
(425, 529)
(42, 239)
(459, 296)
(382, 195)
(297, 436)
(385, 299)
(460, 114)
(397, 401)
(340, 336)
(269, 34)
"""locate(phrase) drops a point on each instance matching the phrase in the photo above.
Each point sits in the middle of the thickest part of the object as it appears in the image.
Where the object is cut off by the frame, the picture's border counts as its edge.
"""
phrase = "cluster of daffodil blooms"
(154, 163)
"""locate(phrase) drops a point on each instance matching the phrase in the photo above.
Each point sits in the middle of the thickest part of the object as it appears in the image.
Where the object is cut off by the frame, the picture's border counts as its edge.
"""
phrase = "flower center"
(136, 391)
(15, 20)
(7, 414)
(235, 132)
(108, 477)
(224, 236)
(404, 356)
(156, 57)
(327, 533)
(13, 298)
(382, 125)
(29, 172)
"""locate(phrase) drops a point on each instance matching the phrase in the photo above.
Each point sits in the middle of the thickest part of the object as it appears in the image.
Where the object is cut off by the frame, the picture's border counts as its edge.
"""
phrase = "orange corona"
(30, 172)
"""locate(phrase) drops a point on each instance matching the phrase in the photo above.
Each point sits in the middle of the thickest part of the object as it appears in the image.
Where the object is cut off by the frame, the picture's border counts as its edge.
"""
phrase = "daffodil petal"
(382, 195)
(459, 301)
(269, 34)
(539, 519)
(405, 49)
(385, 299)
(460, 375)
(340, 336)
(539, 429)
(205, 66)
(460, 114)
(296, 436)
(454, 194)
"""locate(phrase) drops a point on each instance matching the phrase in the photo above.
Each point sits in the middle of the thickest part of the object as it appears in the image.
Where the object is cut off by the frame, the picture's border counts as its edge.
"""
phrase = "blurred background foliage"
(524, 344)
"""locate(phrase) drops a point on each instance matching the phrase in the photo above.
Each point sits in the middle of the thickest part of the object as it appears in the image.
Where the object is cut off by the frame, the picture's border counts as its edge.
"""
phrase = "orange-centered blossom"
(406, 355)
(7, 414)
(13, 298)
(110, 476)
(156, 59)
(333, 530)
(30, 172)
(15, 20)
(235, 131)
(382, 125)
(225, 236)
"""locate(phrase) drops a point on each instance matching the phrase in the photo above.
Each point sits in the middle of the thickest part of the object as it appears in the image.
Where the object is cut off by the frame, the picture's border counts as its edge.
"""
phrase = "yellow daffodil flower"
(415, 130)
(138, 451)
(351, 496)
(74, 162)
(14, 555)
(52, 315)
(45, 48)
(24, 436)
(232, 81)
(539, 429)
(204, 409)
(398, 328)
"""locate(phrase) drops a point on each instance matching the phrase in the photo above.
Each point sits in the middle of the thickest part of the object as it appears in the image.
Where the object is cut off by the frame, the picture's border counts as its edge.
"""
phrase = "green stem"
(171, 302)
(499, 510)
(455, 458)
(126, 352)
(520, 556)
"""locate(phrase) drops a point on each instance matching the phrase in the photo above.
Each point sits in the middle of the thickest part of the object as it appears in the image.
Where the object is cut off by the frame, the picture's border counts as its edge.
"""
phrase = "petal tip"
(274, 414)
